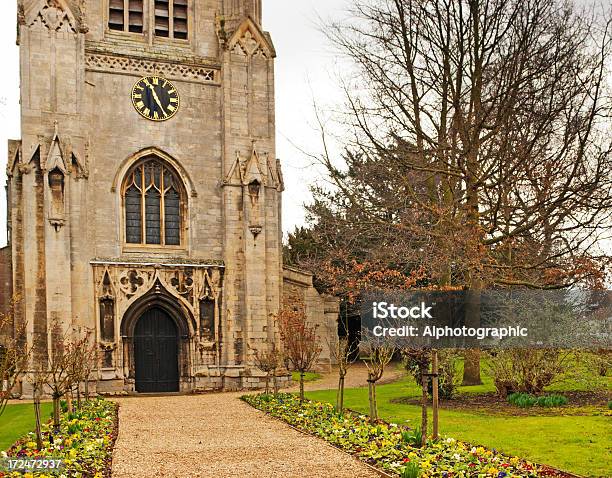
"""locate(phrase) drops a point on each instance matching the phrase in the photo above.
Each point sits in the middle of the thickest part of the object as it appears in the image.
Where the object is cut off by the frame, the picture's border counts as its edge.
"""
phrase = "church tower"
(144, 195)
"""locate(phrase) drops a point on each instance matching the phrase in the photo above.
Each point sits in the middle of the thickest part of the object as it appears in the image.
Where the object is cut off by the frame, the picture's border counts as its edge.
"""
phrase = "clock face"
(155, 98)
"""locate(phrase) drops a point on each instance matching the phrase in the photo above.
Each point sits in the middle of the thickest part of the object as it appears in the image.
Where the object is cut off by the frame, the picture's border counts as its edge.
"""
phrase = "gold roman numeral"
(155, 115)
(173, 100)
(155, 80)
(171, 108)
(146, 112)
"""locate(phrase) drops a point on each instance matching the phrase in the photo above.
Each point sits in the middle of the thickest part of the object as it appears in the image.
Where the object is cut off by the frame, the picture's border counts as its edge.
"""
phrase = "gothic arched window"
(154, 203)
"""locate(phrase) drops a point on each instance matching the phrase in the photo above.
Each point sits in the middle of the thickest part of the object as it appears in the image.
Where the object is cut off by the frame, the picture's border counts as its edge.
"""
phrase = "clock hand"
(155, 97)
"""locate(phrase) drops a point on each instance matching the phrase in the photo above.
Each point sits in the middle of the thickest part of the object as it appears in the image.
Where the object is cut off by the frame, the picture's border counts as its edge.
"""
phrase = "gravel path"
(356, 376)
(218, 436)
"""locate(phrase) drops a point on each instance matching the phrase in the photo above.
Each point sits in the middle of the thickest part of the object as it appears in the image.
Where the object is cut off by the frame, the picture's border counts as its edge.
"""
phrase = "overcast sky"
(304, 65)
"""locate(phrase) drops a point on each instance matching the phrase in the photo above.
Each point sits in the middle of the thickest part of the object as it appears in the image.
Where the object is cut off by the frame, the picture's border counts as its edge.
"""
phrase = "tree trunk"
(267, 384)
(434, 371)
(87, 389)
(69, 402)
(371, 400)
(56, 412)
(302, 386)
(340, 396)
(375, 405)
(39, 442)
(423, 406)
(471, 368)
(275, 383)
(78, 396)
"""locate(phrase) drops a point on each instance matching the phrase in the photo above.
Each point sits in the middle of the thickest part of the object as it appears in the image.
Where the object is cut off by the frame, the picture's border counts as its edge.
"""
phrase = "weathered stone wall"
(6, 279)
(321, 310)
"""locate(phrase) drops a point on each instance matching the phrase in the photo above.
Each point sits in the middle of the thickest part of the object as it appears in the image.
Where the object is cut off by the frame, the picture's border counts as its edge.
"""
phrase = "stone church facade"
(145, 197)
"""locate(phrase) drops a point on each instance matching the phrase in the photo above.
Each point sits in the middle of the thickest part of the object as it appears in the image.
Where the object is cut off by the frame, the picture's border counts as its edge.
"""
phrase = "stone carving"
(111, 63)
(106, 289)
(182, 281)
(187, 283)
(130, 281)
(21, 18)
(249, 41)
(53, 16)
(248, 45)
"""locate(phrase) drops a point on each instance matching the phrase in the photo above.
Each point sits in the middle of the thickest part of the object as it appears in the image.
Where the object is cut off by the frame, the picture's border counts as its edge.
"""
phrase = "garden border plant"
(85, 440)
(383, 445)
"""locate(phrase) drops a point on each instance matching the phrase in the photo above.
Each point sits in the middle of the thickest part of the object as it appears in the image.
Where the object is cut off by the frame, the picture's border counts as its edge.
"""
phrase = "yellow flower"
(480, 450)
(493, 471)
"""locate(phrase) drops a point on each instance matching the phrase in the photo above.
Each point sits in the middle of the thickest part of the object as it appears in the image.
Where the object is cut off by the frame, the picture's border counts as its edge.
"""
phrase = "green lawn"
(578, 444)
(18, 420)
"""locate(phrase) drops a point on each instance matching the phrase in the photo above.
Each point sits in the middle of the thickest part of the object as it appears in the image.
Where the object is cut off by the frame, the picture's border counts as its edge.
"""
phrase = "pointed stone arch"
(158, 298)
(130, 161)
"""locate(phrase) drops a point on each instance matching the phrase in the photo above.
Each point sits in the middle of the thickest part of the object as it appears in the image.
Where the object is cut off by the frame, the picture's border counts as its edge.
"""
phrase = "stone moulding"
(106, 63)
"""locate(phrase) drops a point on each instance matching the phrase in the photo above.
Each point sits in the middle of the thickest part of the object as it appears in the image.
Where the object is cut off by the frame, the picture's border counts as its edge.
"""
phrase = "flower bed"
(84, 442)
(384, 446)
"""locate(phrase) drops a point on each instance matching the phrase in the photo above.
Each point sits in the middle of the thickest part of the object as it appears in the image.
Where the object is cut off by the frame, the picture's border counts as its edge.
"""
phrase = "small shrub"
(448, 377)
(526, 370)
(610, 405)
(525, 400)
(411, 470)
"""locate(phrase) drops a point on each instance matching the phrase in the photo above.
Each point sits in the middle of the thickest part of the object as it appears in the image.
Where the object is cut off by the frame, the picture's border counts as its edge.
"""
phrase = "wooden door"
(156, 353)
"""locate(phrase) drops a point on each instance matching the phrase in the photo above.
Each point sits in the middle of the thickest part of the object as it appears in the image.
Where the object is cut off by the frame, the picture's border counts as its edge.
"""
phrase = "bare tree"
(65, 366)
(417, 362)
(301, 346)
(268, 361)
(14, 354)
(38, 379)
(377, 358)
(343, 352)
(82, 363)
(478, 147)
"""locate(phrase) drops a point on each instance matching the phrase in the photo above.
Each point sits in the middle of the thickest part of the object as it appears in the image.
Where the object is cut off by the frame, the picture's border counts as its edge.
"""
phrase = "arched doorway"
(156, 349)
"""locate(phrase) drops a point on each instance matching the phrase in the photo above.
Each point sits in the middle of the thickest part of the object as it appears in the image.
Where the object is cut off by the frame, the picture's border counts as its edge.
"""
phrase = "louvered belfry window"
(153, 200)
(126, 15)
(171, 18)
